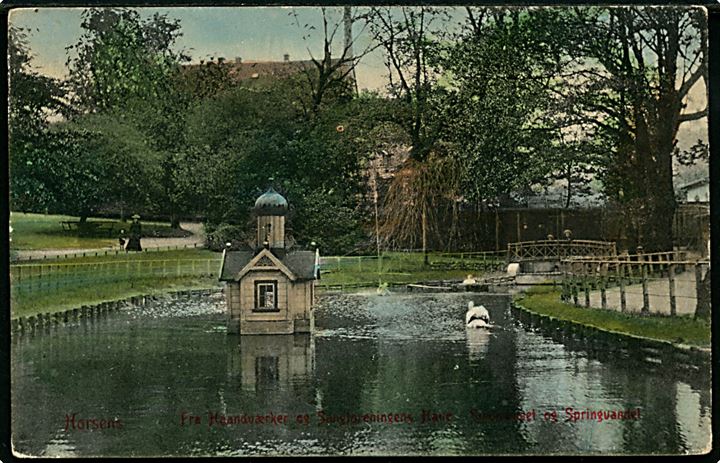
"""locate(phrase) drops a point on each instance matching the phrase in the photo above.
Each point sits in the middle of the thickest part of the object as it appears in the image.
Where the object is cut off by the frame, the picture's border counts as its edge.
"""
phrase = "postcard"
(353, 231)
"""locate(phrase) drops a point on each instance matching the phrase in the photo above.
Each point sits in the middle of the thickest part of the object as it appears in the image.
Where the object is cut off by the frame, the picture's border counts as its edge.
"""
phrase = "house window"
(267, 371)
(266, 296)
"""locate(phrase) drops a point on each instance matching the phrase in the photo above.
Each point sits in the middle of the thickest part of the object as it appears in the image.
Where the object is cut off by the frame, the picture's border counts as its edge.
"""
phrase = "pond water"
(396, 374)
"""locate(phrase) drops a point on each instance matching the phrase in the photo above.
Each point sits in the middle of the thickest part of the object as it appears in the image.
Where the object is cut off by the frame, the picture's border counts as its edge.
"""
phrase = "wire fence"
(401, 261)
(29, 279)
(45, 277)
(55, 255)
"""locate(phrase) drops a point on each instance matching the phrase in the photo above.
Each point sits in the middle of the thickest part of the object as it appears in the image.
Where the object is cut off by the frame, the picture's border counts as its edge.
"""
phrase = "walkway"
(658, 292)
(197, 239)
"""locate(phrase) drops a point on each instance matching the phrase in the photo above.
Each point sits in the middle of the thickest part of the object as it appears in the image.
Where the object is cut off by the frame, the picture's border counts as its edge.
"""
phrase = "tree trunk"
(83, 217)
(703, 304)
(174, 222)
(654, 146)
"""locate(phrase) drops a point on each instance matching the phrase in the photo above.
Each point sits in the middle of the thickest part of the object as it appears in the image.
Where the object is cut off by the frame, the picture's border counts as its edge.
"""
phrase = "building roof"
(697, 182)
(300, 263)
(240, 70)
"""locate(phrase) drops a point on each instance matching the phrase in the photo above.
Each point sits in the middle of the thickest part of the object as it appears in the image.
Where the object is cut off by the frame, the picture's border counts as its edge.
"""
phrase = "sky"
(253, 33)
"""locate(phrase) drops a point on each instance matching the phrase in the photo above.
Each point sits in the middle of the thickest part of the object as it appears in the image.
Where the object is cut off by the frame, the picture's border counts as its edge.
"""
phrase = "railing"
(661, 283)
(49, 255)
(558, 249)
(400, 262)
(26, 279)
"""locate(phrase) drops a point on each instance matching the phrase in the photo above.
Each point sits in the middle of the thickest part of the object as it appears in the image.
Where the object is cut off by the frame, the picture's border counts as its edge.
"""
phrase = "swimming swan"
(477, 317)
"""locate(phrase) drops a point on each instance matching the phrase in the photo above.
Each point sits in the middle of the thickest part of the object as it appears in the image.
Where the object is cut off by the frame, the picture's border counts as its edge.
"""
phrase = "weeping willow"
(415, 206)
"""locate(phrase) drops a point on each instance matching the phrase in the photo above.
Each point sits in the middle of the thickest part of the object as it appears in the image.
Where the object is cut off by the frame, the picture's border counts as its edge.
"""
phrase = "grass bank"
(56, 285)
(40, 231)
(68, 298)
(396, 268)
(678, 330)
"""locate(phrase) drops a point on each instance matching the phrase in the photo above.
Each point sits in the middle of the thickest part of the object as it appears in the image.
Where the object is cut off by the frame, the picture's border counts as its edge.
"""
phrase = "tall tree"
(641, 65)
(32, 99)
(127, 65)
(408, 38)
(499, 115)
(332, 72)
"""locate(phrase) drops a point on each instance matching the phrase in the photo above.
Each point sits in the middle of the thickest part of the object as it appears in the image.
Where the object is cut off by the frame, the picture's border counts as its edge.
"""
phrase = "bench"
(71, 225)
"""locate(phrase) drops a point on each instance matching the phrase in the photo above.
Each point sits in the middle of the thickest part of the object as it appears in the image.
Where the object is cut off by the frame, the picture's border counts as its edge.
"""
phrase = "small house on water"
(269, 289)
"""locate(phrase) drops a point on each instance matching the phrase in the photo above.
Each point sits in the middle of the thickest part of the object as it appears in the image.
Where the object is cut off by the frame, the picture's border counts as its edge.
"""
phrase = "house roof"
(250, 70)
(300, 263)
(700, 181)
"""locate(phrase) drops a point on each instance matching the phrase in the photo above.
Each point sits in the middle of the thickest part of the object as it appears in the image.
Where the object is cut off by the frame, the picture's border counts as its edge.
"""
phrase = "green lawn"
(151, 254)
(680, 330)
(69, 298)
(64, 284)
(394, 267)
(39, 231)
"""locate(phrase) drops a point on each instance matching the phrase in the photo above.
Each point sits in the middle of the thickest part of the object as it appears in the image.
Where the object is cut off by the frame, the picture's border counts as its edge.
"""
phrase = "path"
(197, 239)
(659, 296)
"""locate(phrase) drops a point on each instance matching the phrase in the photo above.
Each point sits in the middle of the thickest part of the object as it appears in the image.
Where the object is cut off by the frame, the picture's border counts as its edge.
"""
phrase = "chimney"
(238, 60)
(286, 57)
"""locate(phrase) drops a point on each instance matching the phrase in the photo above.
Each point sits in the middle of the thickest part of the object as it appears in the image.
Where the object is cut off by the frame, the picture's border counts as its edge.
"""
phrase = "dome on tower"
(271, 203)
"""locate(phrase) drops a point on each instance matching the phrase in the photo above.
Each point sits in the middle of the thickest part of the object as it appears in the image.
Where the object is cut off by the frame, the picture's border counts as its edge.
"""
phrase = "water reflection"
(271, 361)
(373, 359)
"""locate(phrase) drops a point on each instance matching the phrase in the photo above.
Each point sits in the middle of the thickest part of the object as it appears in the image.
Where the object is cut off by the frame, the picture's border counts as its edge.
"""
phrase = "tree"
(641, 64)
(500, 117)
(32, 99)
(127, 66)
(122, 60)
(407, 40)
(331, 73)
(32, 96)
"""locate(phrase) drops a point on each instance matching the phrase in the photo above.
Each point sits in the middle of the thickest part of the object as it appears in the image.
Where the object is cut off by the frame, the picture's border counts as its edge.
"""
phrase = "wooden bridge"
(556, 250)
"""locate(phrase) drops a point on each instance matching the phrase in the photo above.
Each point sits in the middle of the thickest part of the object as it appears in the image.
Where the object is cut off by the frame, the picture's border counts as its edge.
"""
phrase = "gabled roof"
(265, 260)
(299, 264)
(699, 181)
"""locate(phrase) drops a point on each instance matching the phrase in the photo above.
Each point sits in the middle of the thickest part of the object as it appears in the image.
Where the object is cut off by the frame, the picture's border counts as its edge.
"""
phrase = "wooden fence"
(660, 283)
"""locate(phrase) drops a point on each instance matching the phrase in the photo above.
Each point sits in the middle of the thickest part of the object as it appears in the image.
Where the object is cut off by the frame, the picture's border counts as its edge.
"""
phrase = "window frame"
(258, 285)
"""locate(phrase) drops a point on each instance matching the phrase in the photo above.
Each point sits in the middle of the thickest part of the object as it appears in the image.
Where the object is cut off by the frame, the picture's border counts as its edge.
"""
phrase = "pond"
(396, 374)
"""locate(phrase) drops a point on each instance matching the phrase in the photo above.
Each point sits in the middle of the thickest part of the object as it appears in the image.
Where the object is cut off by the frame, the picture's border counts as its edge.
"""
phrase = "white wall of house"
(698, 193)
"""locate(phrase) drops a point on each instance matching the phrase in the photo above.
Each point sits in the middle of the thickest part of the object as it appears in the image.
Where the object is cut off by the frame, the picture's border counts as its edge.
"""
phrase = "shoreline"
(626, 345)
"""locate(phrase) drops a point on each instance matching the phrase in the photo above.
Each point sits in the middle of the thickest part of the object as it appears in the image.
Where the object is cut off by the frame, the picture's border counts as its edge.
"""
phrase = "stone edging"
(648, 349)
(29, 324)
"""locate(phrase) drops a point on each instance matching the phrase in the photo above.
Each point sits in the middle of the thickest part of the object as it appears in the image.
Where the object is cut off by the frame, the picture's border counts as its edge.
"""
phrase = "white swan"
(477, 317)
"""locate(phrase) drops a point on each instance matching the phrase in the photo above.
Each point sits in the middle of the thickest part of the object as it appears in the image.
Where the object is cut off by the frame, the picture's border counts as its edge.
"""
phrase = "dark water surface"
(374, 368)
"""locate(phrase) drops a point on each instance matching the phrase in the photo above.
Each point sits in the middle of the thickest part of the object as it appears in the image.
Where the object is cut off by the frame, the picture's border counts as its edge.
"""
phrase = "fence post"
(646, 297)
(603, 285)
(698, 286)
(671, 281)
(623, 302)
(586, 284)
(574, 286)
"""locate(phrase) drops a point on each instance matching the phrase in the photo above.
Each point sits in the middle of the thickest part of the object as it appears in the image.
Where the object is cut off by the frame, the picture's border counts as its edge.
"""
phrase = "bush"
(217, 235)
